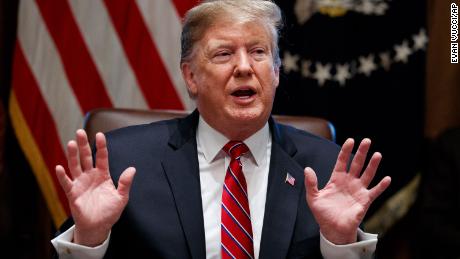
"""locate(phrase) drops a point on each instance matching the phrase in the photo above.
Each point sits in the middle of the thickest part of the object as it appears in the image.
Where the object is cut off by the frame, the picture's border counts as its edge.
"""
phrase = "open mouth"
(243, 93)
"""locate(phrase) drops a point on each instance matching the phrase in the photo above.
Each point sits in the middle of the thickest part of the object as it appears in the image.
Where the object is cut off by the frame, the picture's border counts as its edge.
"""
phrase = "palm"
(94, 201)
(341, 205)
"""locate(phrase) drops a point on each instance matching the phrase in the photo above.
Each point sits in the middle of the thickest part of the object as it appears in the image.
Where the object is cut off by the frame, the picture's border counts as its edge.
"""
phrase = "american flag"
(289, 179)
(72, 56)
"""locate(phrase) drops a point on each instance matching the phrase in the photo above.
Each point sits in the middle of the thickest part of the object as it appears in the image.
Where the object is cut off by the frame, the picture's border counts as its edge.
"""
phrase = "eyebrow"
(228, 44)
(219, 44)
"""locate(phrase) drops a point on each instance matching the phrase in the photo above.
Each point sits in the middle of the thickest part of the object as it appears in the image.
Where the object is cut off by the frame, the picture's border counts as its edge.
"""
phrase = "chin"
(249, 115)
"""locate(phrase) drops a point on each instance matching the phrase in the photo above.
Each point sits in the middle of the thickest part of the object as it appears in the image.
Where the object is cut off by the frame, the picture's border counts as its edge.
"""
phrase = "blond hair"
(204, 15)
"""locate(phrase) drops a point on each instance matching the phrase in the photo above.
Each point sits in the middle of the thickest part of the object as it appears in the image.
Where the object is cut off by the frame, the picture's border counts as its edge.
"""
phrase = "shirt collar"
(211, 142)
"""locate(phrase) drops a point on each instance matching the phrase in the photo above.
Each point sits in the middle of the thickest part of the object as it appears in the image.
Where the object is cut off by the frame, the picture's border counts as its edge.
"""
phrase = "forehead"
(227, 32)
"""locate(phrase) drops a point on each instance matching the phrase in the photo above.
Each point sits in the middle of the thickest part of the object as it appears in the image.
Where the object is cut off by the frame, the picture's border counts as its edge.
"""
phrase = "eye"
(223, 53)
(259, 53)
(221, 56)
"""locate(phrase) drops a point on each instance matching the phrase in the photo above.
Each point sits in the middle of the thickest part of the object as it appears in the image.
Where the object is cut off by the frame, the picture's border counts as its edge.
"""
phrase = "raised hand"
(341, 205)
(94, 201)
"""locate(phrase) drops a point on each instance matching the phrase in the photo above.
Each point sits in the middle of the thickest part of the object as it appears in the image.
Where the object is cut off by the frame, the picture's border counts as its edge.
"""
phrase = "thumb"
(311, 182)
(125, 181)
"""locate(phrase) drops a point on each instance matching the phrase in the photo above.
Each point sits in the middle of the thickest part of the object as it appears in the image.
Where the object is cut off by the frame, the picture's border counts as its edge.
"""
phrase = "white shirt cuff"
(363, 249)
(67, 250)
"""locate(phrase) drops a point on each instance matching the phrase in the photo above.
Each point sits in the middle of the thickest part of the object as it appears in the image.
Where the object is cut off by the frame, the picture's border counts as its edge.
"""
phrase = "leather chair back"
(104, 120)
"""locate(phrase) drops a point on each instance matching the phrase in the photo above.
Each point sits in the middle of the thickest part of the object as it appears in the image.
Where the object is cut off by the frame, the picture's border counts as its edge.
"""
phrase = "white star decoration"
(343, 73)
(322, 73)
(367, 7)
(380, 9)
(402, 52)
(366, 65)
(290, 62)
(420, 40)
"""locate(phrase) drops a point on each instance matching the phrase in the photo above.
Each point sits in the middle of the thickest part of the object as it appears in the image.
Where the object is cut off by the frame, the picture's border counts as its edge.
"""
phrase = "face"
(233, 78)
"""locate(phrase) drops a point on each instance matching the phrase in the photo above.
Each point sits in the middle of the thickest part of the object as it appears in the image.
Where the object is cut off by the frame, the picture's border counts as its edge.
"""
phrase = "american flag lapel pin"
(289, 179)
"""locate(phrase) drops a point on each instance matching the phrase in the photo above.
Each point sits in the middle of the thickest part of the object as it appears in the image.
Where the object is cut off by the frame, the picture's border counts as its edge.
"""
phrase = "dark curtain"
(361, 67)
(25, 224)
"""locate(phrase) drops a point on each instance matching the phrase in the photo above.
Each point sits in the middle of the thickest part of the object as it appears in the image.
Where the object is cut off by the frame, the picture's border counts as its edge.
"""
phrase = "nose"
(243, 65)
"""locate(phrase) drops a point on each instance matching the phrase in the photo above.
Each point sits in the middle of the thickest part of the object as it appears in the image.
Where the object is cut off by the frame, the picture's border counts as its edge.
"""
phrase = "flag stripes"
(79, 67)
(183, 6)
(33, 154)
(142, 54)
(166, 37)
(41, 115)
(34, 112)
(46, 66)
(105, 48)
(76, 55)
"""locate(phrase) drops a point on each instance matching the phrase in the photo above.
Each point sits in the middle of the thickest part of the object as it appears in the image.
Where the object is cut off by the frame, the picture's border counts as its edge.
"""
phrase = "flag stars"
(343, 74)
(322, 73)
(290, 62)
(380, 8)
(366, 65)
(420, 40)
(367, 7)
(402, 52)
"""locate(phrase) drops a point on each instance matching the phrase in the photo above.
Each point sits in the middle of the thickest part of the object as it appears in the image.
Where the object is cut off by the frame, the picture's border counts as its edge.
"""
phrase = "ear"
(277, 76)
(189, 78)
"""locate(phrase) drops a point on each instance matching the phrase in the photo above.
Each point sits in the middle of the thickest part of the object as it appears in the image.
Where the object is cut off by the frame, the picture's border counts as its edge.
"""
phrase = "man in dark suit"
(225, 181)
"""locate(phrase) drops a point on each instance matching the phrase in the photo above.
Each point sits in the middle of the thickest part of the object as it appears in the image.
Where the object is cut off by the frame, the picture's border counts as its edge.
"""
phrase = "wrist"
(90, 238)
(338, 238)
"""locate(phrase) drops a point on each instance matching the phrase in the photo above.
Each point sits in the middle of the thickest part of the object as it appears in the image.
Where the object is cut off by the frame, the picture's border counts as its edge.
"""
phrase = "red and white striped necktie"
(236, 229)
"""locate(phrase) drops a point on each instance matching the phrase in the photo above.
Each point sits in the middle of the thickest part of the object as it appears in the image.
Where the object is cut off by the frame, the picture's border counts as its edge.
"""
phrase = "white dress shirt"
(213, 163)
(213, 166)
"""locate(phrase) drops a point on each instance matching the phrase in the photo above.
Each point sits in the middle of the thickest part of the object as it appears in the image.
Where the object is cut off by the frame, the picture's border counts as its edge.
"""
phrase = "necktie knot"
(235, 149)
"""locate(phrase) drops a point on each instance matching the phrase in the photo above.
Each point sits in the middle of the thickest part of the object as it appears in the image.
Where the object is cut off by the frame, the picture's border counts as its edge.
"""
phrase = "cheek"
(217, 79)
(211, 89)
(270, 81)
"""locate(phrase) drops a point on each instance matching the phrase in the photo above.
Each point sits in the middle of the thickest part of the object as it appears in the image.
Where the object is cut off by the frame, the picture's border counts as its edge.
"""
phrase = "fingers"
(102, 157)
(125, 181)
(79, 158)
(379, 188)
(64, 180)
(360, 158)
(72, 159)
(86, 159)
(344, 156)
(311, 182)
(369, 173)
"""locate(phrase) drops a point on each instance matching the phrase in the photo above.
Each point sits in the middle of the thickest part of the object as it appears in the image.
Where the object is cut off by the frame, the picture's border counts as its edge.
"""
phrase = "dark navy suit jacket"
(164, 216)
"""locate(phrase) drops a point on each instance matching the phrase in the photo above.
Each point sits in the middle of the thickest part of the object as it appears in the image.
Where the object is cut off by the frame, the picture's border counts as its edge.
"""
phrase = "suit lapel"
(282, 198)
(180, 163)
